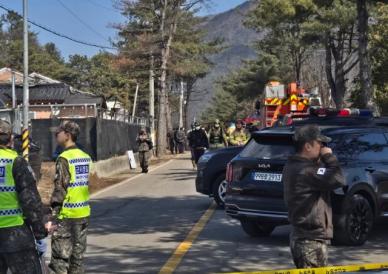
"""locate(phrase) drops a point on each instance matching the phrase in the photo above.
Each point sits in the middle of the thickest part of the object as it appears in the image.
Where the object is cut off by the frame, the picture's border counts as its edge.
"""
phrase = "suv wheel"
(255, 229)
(219, 190)
(355, 222)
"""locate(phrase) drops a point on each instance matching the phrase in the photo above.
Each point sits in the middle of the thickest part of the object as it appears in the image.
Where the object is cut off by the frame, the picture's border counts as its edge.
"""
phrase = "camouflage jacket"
(144, 144)
(217, 136)
(15, 239)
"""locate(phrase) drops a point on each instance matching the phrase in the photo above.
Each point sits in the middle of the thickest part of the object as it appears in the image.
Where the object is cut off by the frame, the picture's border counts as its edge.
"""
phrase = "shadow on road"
(138, 234)
(146, 214)
(224, 247)
(179, 174)
(125, 259)
(148, 230)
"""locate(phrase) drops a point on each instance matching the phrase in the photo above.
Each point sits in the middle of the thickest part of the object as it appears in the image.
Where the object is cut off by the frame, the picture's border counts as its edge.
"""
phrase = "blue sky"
(97, 18)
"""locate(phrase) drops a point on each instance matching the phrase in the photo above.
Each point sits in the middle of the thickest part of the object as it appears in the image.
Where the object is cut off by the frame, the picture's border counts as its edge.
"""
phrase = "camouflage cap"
(310, 133)
(69, 127)
(5, 127)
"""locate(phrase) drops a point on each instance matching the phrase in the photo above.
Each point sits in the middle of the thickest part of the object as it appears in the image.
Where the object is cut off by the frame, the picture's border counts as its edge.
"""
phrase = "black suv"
(255, 188)
(211, 171)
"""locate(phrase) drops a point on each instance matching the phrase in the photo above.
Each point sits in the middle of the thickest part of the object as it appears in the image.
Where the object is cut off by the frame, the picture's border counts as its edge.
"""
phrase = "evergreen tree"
(147, 41)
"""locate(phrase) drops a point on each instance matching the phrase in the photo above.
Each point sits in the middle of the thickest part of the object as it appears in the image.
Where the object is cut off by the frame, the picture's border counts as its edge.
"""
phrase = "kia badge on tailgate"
(264, 166)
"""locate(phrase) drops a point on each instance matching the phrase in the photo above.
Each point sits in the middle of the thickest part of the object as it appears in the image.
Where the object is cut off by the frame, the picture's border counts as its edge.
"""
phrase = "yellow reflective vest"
(76, 203)
(11, 214)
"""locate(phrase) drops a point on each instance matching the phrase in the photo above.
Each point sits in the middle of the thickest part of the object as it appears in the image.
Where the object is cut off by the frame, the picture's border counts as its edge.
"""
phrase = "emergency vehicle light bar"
(346, 112)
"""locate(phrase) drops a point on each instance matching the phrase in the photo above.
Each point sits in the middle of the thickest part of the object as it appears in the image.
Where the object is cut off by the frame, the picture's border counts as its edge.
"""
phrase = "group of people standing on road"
(24, 222)
(177, 141)
(199, 140)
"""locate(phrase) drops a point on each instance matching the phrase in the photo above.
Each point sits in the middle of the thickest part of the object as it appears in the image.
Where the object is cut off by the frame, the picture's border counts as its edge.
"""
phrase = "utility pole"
(181, 105)
(13, 91)
(152, 99)
(135, 102)
(15, 126)
(25, 131)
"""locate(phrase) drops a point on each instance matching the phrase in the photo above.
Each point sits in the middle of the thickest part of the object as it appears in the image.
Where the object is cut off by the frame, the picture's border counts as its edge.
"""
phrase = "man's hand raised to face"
(326, 150)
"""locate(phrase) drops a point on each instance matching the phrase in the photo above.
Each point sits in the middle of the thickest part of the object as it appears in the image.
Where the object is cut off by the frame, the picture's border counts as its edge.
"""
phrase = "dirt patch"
(46, 183)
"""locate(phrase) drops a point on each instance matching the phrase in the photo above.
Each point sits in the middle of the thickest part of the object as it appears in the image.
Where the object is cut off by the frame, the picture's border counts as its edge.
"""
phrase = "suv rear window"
(361, 146)
(269, 147)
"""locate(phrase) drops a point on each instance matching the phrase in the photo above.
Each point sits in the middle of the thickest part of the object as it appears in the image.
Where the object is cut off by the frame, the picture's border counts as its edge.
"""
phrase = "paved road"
(136, 227)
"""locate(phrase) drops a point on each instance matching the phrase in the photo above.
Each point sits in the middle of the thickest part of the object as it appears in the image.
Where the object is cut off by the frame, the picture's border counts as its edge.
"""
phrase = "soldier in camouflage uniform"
(145, 146)
(21, 210)
(70, 203)
(309, 177)
(217, 136)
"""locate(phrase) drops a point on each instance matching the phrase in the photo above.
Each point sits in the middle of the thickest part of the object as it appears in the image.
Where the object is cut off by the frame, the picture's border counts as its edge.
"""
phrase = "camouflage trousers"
(144, 157)
(68, 245)
(21, 262)
(309, 253)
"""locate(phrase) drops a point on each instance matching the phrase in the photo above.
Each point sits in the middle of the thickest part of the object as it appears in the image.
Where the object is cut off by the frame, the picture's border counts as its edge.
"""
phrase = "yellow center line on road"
(173, 262)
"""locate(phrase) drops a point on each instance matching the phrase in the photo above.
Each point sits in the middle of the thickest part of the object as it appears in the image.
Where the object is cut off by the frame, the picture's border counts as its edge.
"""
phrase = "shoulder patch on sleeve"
(321, 171)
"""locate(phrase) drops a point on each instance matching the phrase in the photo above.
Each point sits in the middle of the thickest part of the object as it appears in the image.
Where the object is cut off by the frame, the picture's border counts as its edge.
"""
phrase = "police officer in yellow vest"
(70, 203)
(21, 210)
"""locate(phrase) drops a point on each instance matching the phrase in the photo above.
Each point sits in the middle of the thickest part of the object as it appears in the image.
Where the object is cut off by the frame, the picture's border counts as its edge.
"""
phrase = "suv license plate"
(268, 177)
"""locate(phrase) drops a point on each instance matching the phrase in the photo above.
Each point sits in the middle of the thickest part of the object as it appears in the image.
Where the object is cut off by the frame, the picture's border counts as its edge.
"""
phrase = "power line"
(60, 34)
(79, 19)
(101, 6)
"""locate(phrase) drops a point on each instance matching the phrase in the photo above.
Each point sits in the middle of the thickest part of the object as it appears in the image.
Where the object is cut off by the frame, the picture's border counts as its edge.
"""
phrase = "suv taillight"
(229, 173)
(233, 173)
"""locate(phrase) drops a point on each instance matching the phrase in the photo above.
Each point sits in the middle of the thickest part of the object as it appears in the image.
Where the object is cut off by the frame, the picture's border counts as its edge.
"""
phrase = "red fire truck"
(281, 100)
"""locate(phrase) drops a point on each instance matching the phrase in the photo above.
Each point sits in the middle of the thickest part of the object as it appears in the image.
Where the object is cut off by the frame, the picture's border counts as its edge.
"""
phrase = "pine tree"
(147, 38)
(283, 22)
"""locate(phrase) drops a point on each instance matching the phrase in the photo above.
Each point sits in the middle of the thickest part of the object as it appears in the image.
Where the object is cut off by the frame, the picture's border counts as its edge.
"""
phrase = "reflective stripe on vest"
(76, 203)
(11, 214)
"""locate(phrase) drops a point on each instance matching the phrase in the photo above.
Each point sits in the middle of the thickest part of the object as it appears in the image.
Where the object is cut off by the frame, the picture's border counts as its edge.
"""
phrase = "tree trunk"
(338, 70)
(181, 94)
(336, 82)
(162, 122)
(340, 87)
(365, 71)
(167, 37)
(189, 90)
(168, 115)
(152, 95)
(298, 67)
(328, 69)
